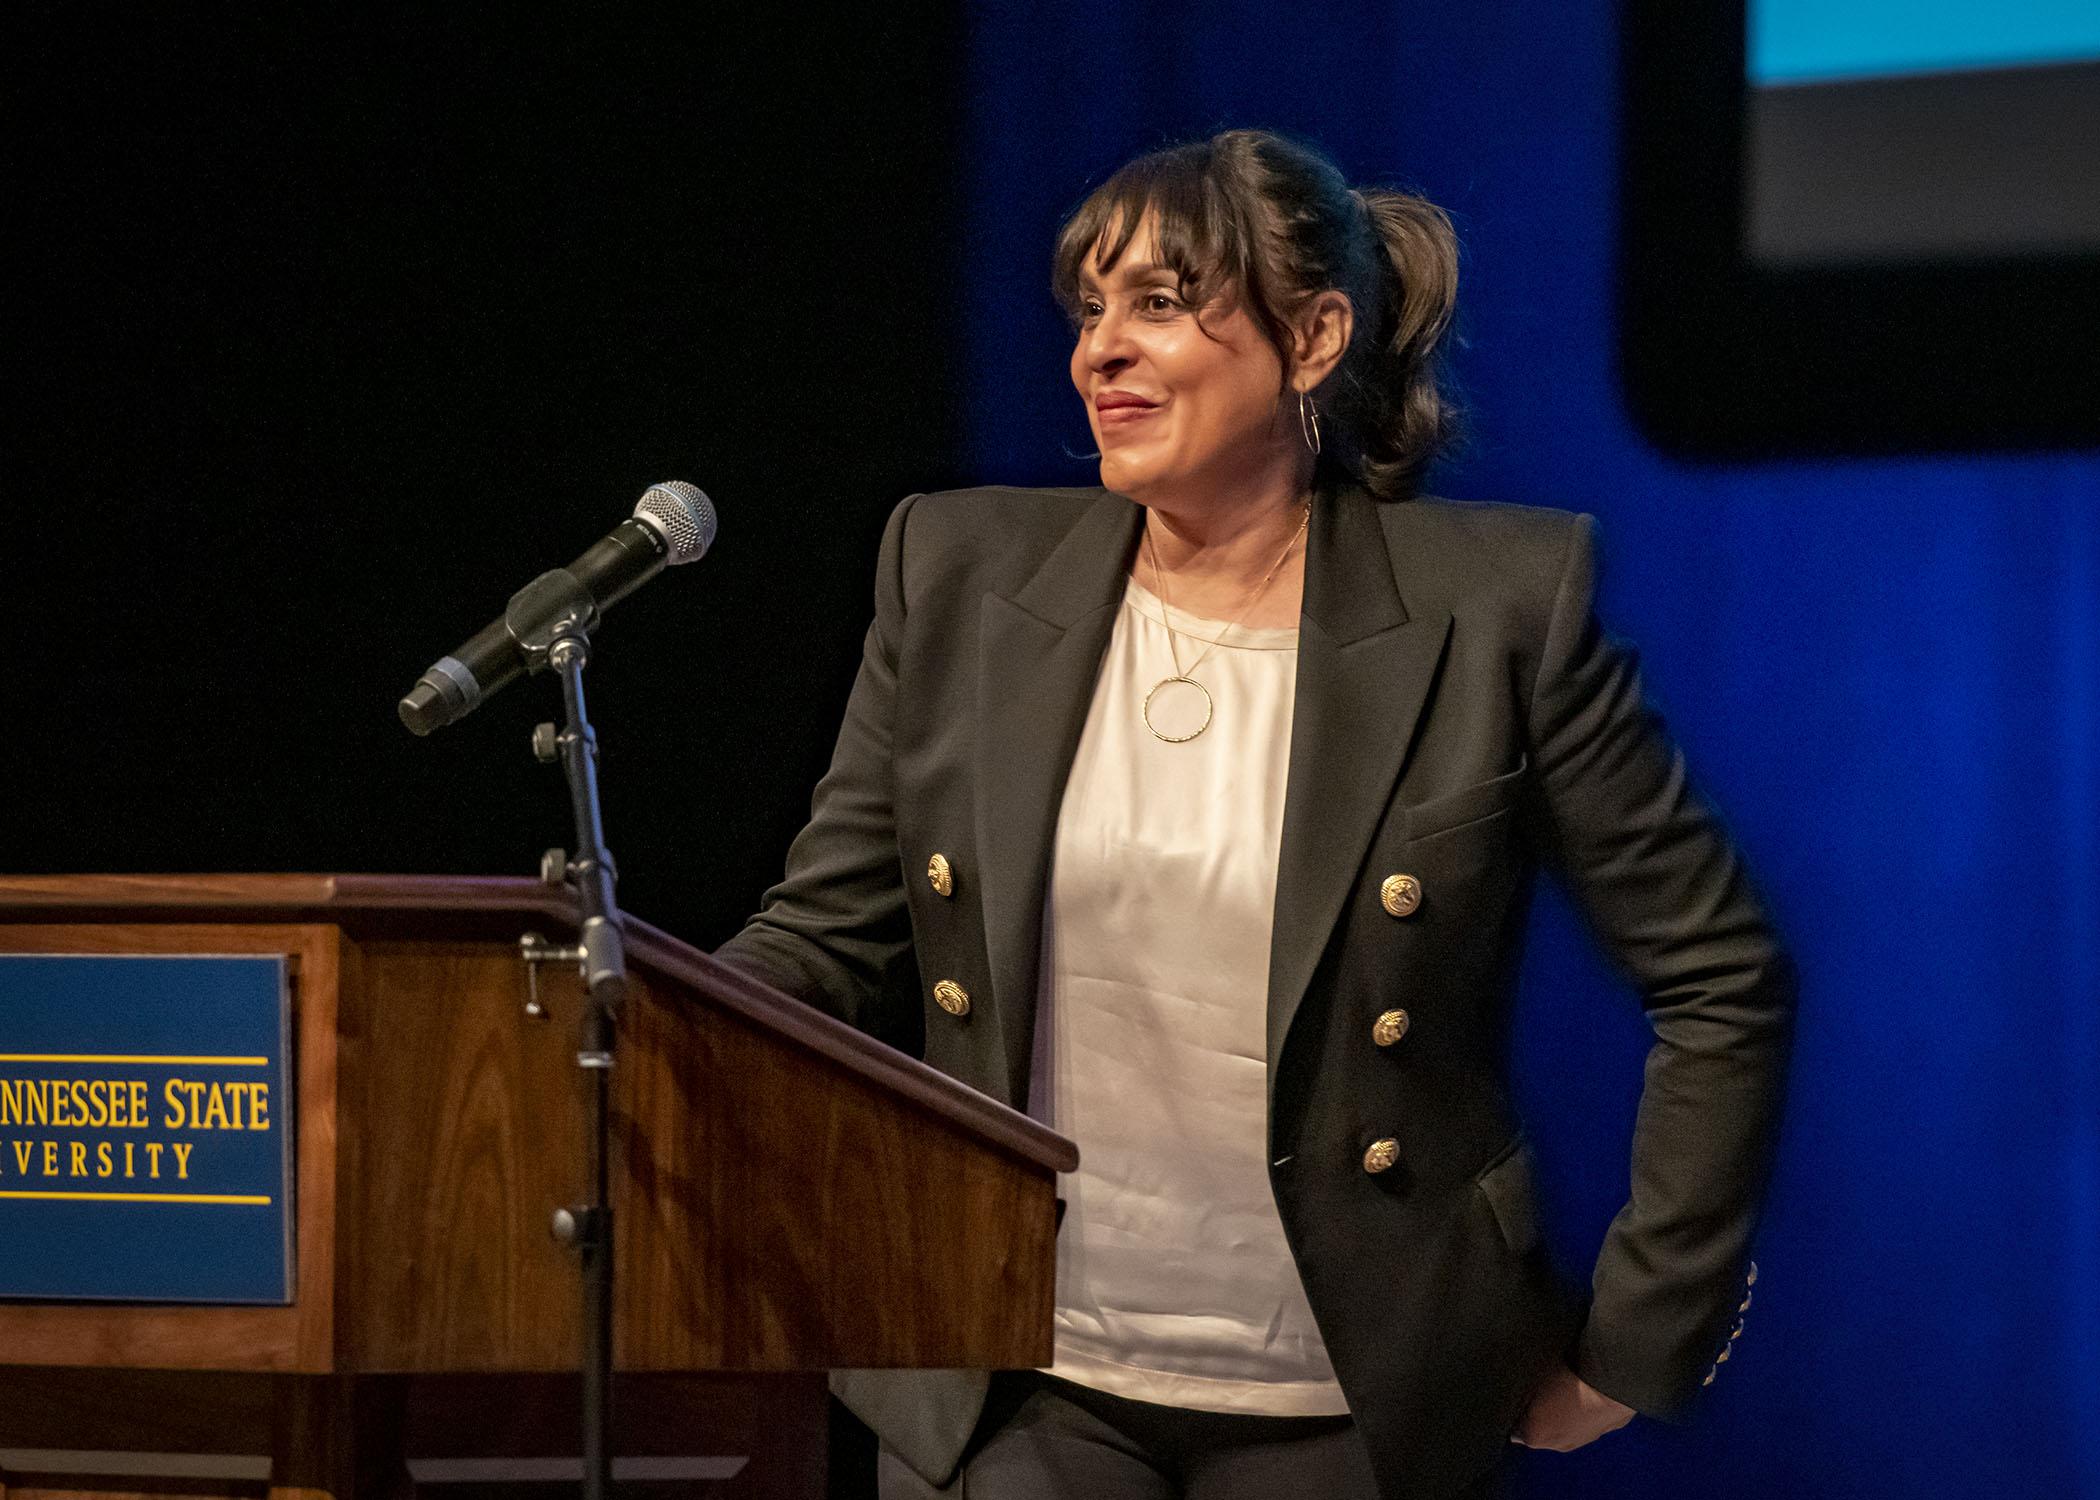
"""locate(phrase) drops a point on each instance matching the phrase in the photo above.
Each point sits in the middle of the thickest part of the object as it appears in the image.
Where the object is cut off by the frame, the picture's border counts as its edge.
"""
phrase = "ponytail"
(1390, 396)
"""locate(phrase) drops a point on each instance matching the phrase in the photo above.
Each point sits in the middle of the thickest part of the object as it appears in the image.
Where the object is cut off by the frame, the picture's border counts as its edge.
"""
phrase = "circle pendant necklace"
(1184, 677)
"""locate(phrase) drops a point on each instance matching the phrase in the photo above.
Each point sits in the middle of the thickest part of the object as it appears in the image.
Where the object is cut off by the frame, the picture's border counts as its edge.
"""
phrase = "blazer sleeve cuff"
(1660, 1372)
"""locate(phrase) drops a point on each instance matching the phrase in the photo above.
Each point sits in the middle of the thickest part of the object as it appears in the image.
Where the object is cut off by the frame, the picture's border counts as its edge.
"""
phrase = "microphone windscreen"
(682, 515)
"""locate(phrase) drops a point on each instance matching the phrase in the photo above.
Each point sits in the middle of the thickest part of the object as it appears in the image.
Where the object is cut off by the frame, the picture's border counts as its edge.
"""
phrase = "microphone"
(673, 523)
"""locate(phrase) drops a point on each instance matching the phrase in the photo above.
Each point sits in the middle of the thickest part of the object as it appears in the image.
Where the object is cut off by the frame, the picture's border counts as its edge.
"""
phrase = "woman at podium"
(1197, 814)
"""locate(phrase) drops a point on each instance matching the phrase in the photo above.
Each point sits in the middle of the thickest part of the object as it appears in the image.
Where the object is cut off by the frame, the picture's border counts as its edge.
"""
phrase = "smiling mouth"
(1119, 412)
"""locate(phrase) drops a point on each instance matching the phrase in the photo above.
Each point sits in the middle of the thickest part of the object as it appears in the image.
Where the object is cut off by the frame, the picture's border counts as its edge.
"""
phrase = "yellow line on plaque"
(260, 1199)
(130, 1057)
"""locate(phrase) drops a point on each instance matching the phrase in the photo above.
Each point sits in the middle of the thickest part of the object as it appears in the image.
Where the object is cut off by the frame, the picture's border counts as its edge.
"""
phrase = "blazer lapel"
(1365, 666)
(1039, 653)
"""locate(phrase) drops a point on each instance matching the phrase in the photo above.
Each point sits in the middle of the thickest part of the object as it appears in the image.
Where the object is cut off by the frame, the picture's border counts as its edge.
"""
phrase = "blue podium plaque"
(146, 1118)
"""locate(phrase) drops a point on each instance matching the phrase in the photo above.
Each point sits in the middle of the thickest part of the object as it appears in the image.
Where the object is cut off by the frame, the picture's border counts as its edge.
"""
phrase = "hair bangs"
(1193, 233)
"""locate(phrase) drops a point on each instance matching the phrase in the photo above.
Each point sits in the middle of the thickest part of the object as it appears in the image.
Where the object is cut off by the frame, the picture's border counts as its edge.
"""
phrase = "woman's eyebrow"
(1143, 270)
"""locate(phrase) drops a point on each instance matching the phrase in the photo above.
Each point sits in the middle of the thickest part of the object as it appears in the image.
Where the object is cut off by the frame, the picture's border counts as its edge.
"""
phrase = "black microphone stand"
(549, 622)
(589, 1225)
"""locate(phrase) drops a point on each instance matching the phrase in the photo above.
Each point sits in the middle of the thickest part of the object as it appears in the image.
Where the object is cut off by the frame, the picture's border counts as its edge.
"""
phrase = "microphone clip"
(554, 606)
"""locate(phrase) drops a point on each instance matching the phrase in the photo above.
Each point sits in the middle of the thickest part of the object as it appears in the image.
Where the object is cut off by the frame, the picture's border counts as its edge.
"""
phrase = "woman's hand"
(1566, 1412)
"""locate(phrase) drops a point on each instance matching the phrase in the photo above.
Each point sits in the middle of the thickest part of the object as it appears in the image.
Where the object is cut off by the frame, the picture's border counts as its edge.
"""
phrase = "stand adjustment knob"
(546, 744)
(580, 1227)
(555, 868)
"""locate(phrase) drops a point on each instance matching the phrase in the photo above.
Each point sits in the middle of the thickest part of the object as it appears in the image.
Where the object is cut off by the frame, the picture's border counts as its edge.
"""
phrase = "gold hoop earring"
(1309, 423)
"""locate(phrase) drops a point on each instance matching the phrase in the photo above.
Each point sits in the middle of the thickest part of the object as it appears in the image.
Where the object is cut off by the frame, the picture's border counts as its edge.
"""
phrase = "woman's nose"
(1106, 345)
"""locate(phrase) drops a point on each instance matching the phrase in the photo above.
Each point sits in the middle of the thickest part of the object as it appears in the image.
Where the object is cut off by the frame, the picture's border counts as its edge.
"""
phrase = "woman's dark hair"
(1272, 223)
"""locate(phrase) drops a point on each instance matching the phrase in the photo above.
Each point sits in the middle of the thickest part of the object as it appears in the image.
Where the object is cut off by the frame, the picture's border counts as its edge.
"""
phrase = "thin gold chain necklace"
(1183, 674)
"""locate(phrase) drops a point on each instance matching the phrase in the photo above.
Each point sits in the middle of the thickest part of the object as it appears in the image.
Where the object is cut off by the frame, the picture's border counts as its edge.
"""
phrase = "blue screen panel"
(1803, 41)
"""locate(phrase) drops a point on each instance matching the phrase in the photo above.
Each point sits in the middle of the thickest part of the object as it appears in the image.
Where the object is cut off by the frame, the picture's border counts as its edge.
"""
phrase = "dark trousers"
(1047, 1439)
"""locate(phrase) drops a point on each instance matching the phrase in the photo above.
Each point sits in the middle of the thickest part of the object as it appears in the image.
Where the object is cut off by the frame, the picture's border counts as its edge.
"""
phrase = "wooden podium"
(790, 1197)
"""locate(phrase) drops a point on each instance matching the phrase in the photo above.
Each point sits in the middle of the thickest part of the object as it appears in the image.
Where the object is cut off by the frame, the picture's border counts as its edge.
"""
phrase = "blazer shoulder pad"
(1480, 550)
(994, 536)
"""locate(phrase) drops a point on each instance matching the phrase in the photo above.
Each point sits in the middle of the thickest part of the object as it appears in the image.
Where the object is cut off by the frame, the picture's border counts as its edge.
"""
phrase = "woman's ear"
(1319, 338)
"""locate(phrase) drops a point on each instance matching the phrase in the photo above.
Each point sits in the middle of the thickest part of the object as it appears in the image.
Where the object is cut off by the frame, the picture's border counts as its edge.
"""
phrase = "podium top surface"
(440, 906)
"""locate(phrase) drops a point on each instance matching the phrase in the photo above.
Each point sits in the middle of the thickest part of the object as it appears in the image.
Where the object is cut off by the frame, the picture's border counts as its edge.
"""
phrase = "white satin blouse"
(1174, 1283)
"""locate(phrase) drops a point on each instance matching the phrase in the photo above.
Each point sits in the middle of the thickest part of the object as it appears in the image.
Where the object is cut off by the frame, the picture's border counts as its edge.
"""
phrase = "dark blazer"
(1459, 718)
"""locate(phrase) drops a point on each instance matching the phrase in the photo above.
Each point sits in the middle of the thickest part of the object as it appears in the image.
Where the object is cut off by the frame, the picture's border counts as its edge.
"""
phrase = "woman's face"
(1178, 402)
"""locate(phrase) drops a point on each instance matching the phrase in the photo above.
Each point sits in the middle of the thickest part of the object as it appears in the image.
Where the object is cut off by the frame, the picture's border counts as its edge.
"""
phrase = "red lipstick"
(1122, 406)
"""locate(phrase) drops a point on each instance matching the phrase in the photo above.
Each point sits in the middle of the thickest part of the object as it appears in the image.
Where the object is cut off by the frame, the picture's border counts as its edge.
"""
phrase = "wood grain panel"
(438, 906)
(152, 1411)
(136, 891)
(156, 1410)
(805, 1027)
(778, 1212)
(305, 1424)
(775, 1211)
(452, 894)
(470, 1137)
(791, 1195)
(456, 908)
(299, 1337)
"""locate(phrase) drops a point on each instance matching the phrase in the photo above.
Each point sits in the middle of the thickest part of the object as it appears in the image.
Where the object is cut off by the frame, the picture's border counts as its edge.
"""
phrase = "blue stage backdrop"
(1887, 673)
